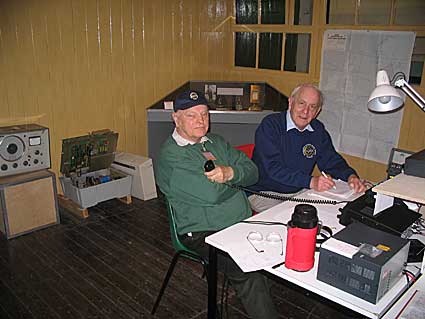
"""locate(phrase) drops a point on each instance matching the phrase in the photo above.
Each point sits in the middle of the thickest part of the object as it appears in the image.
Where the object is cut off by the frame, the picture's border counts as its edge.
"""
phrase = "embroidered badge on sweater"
(309, 150)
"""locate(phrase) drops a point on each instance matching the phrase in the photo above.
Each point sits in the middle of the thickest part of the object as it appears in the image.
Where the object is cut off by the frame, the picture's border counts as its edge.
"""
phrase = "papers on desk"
(247, 257)
(341, 192)
(415, 306)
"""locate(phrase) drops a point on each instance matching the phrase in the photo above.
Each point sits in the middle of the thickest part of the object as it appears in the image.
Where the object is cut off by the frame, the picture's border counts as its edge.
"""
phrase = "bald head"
(301, 87)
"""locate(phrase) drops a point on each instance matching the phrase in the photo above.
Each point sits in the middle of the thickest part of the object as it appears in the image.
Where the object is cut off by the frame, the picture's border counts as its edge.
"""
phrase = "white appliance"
(141, 169)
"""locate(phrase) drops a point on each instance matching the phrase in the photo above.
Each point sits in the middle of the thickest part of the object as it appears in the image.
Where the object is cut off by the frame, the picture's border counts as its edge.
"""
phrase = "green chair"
(181, 251)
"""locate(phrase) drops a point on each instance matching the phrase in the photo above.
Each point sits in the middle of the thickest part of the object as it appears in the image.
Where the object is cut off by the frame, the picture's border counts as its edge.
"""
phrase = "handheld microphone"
(209, 166)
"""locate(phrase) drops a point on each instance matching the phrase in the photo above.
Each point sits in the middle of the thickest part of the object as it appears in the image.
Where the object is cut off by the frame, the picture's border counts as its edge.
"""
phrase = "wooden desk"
(327, 214)
(403, 186)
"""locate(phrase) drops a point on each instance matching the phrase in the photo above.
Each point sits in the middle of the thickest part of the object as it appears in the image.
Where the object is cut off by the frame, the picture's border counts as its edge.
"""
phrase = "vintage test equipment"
(388, 220)
(396, 161)
(24, 148)
(363, 261)
(141, 169)
(85, 164)
(415, 164)
(27, 202)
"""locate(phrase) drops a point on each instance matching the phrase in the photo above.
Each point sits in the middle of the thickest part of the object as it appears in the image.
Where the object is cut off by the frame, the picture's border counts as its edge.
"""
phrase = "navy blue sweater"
(286, 160)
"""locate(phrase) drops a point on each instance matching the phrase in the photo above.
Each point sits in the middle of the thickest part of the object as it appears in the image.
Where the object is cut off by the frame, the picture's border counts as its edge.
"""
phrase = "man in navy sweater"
(289, 144)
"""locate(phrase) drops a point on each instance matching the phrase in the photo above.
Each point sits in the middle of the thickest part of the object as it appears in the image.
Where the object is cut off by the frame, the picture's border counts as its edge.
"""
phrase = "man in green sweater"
(201, 201)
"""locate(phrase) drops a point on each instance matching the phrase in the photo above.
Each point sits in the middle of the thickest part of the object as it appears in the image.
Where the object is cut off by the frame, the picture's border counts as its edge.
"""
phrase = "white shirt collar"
(181, 141)
(290, 124)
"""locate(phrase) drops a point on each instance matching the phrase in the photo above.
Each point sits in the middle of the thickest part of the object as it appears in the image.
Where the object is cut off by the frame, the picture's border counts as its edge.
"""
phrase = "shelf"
(403, 186)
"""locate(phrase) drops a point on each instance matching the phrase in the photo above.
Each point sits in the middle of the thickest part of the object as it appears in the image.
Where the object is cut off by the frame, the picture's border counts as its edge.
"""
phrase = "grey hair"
(296, 91)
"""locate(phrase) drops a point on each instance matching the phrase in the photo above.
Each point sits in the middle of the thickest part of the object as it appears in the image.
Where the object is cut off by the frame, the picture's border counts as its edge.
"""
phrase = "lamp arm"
(411, 92)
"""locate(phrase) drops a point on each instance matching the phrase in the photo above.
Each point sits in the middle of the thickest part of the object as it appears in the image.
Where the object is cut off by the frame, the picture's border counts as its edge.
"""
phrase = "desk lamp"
(385, 98)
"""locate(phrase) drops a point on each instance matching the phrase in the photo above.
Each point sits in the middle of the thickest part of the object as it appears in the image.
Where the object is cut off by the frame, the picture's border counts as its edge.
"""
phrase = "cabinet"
(229, 114)
(28, 202)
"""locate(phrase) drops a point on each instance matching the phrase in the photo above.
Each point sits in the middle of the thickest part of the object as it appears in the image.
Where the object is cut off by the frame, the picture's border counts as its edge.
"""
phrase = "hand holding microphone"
(219, 174)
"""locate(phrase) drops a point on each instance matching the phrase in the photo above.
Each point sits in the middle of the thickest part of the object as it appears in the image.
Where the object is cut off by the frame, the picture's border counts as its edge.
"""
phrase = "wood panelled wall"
(81, 65)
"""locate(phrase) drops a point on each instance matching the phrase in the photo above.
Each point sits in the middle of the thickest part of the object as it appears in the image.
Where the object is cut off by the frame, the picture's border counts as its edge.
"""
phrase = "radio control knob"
(15, 165)
(36, 161)
(12, 148)
(25, 163)
(37, 152)
(4, 167)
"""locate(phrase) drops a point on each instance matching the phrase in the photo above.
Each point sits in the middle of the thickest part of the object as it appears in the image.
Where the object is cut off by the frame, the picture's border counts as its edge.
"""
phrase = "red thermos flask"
(301, 238)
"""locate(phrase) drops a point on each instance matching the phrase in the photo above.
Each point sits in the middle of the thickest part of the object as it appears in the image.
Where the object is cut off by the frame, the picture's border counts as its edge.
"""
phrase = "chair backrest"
(248, 149)
(177, 244)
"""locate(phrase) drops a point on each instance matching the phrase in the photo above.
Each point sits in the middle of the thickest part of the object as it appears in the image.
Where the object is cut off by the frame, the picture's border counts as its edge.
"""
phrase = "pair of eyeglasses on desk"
(255, 239)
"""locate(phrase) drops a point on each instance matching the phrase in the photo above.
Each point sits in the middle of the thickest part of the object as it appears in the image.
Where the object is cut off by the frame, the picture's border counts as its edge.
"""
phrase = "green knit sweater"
(201, 205)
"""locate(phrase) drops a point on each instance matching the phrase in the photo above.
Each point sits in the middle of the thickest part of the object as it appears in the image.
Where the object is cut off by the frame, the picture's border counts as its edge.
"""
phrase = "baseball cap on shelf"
(188, 99)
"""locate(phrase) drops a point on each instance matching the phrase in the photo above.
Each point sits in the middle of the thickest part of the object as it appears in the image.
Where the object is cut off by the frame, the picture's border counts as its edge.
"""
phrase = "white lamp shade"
(384, 97)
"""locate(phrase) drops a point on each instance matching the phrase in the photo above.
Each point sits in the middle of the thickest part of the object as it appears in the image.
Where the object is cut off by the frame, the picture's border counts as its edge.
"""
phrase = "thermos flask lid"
(304, 216)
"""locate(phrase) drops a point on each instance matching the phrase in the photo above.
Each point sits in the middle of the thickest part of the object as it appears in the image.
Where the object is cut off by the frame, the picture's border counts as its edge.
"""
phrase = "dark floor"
(111, 265)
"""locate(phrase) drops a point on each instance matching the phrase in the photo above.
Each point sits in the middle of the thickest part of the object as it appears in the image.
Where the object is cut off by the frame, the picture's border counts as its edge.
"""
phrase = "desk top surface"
(396, 310)
(225, 239)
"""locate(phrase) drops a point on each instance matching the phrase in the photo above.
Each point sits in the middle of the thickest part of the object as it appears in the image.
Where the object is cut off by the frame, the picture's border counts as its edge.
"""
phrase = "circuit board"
(88, 153)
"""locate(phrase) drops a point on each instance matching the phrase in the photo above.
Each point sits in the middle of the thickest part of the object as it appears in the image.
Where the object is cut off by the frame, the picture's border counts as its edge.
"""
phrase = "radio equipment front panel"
(24, 148)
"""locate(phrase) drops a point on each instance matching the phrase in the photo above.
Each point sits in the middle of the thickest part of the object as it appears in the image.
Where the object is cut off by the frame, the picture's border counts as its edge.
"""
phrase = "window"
(273, 35)
(374, 12)
(246, 11)
(303, 14)
(341, 11)
(384, 12)
(245, 48)
(297, 52)
(417, 62)
(273, 11)
(409, 12)
(270, 51)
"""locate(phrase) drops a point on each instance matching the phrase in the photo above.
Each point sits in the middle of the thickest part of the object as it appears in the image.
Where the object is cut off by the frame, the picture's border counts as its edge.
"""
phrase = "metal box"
(85, 164)
(24, 148)
(415, 164)
(141, 169)
(372, 270)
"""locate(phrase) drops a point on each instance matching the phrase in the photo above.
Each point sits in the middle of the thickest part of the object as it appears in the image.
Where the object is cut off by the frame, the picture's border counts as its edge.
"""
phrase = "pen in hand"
(326, 176)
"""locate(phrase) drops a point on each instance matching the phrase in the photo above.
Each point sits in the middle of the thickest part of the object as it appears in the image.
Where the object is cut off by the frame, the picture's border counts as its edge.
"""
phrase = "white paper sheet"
(343, 192)
(415, 308)
(350, 61)
(382, 202)
(247, 258)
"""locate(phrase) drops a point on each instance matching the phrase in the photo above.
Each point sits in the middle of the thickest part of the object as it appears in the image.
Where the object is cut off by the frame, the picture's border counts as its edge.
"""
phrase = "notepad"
(342, 190)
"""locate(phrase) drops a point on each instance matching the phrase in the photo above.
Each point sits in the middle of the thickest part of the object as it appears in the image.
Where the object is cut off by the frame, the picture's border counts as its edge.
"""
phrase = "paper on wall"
(350, 61)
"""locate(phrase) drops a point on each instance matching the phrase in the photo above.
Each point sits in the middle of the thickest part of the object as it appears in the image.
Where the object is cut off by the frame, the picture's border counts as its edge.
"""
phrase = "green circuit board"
(88, 153)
